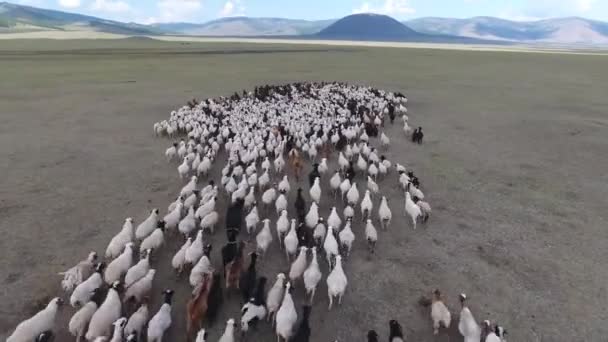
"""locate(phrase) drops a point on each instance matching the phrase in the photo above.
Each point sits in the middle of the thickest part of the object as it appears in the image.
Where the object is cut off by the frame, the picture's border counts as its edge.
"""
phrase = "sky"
(150, 11)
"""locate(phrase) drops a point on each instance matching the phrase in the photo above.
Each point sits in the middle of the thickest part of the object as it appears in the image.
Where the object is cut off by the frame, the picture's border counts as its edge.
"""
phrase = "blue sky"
(147, 11)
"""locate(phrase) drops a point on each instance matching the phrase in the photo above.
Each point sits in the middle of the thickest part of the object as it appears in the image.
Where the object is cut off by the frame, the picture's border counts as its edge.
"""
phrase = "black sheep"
(234, 216)
(247, 281)
(300, 205)
(395, 333)
(372, 336)
(314, 174)
(303, 333)
(230, 250)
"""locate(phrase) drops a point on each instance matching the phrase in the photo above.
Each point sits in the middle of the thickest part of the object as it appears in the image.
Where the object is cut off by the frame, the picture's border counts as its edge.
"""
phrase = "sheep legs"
(331, 301)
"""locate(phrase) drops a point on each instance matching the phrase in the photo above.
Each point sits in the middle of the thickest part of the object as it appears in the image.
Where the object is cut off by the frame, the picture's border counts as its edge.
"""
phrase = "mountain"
(368, 27)
(246, 26)
(556, 31)
(20, 18)
(377, 27)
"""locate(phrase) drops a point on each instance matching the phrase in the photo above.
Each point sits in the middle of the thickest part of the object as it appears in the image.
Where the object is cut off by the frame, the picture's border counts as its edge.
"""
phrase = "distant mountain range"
(567, 31)
(560, 31)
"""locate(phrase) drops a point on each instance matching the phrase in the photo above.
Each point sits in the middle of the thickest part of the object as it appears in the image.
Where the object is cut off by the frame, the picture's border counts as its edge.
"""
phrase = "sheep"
(250, 198)
(75, 275)
(336, 282)
(347, 237)
(497, 334)
(202, 267)
(268, 197)
(385, 140)
(291, 242)
(147, 226)
(319, 232)
(425, 209)
(395, 332)
(43, 321)
(372, 336)
(275, 296)
(361, 164)
(188, 223)
(209, 221)
(119, 266)
(352, 196)
(109, 311)
(384, 213)
(154, 240)
(119, 326)
(330, 245)
(137, 321)
(139, 270)
(183, 169)
(298, 266)
(179, 259)
(312, 218)
(349, 212)
(171, 152)
(345, 187)
(342, 162)
(334, 182)
(228, 335)
(161, 321)
(371, 235)
(264, 238)
(315, 191)
(205, 208)
(139, 289)
(83, 292)
(202, 336)
(439, 313)
(204, 167)
(286, 317)
(255, 309)
(247, 280)
(119, 241)
(252, 219)
(414, 191)
(284, 185)
(279, 163)
(189, 187)
(334, 219)
(233, 267)
(467, 326)
(195, 250)
(80, 320)
(412, 209)
(281, 203)
(172, 219)
(366, 206)
(263, 180)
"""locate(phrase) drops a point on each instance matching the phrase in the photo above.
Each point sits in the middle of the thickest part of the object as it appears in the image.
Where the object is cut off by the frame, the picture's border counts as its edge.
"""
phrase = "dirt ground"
(514, 164)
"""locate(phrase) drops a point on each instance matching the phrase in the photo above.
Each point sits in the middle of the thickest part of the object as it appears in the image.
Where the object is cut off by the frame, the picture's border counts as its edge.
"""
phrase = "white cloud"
(542, 9)
(111, 6)
(232, 8)
(69, 3)
(585, 5)
(178, 10)
(389, 7)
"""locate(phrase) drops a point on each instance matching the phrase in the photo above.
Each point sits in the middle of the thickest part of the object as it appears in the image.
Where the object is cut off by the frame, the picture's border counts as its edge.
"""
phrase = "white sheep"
(83, 292)
(161, 321)
(147, 226)
(139, 270)
(119, 326)
(298, 266)
(384, 213)
(108, 313)
(312, 276)
(228, 335)
(347, 237)
(275, 296)
(44, 320)
(330, 245)
(371, 235)
(336, 282)
(195, 250)
(286, 317)
(315, 191)
(154, 241)
(312, 217)
(412, 209)
(202, 267)
(80, 320)
(291, 242)
(251, 220)
(264, 237)
(139, 289)
(209, 221)
(439, 313)
(119, 241)
(467, 325)
(366, 206)
(188, 223)
(334, 182)
(349, 212)
(119, 266)
(137, 321)
(75, 275)
(281, 203)
(334, 219)
(172, 219)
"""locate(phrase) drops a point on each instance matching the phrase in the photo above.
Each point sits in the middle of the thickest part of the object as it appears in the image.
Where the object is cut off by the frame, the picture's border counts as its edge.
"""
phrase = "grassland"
(514, 164)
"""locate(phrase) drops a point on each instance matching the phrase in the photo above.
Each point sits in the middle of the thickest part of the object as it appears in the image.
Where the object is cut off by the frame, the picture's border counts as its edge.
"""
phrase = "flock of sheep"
(262, 140)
